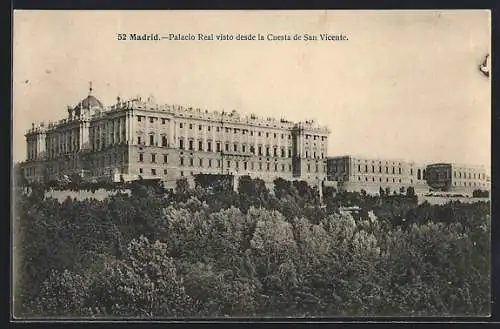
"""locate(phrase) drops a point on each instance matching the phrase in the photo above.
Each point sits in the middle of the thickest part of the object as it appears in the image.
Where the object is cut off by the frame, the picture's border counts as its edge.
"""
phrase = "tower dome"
(89, 102)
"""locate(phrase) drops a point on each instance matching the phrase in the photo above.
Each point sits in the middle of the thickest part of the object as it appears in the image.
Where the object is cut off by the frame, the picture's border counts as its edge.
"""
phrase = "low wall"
(437, 200)
(100, 194)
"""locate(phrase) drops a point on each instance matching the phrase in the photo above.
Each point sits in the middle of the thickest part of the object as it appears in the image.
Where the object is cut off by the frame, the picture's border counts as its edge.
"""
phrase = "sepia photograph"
(251, 164)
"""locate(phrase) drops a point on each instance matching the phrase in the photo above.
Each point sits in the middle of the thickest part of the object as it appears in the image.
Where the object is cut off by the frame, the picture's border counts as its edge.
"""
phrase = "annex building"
(351, 173)
(451, 177)
(138, 138)
(359, 173)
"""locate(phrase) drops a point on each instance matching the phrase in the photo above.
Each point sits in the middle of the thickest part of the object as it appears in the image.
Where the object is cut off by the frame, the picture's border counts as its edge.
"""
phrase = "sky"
(404, 85)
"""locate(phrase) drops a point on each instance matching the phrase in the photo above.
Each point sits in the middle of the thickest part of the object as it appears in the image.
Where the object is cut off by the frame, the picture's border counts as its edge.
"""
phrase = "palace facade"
(140, 138)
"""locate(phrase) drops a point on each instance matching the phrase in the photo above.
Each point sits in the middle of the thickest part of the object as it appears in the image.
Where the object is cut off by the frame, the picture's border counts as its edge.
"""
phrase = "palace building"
(139, 138)
(359, 173)
(464, 179)
(351, 173)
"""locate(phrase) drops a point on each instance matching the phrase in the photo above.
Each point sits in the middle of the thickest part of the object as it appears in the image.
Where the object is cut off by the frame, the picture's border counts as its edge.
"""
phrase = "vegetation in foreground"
(215, 253)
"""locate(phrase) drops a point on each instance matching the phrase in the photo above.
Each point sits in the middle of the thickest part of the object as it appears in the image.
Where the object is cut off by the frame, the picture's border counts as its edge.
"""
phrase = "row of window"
(380, 180)
(470, 184)
(473, 176)
(30, 171)
(227, 129)
(228, 163)
(153, 158)
(153, 171)
(420, 173)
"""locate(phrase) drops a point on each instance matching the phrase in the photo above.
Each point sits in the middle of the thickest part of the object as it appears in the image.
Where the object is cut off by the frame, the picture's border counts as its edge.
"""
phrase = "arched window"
(418, 174)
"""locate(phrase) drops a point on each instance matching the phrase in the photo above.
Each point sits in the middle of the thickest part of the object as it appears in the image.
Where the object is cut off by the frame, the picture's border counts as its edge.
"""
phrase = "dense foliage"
(254, 252)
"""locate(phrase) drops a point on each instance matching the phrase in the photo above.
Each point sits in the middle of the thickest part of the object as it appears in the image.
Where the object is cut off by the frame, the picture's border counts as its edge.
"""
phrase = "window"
(162, 121)
(260, 165)
(289, 153)
(218, 147)
(141, 157)
(190, 126)
(275, 152)
(138, 140)
(251, 132)
(260, 150)
(366, 168)
(140, 170)
(267, 134)
(359, 168)
(209, 128)
(191, 145)
(165, 158)
(245, 165)
(209, 163)
(151, 119)
(235, 146)
(229, 163)
(199, 127)
(227, 147)
(282, 153)
(153, 172)
(308, 167)
(181, 162)
(164, 141)
(259, 134)
(201, 162)
(180, 125)
(200, 145)
(267, 166)
(217, 129)
(282, 166)
(153, 158)
(317, 168)
(151, 139)
(243, 148)
(181, 144)
(165, 171)
(139, 118)
(182, 173)
(399, 170)
(274, 135)
(275, 167)
(191, 162)
(209, 146)
(267, 151)
(373, 168)
(386, 170)
(393, 170)
(307, 154)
